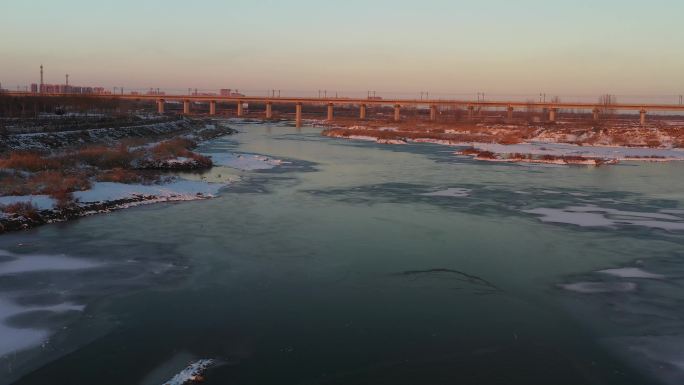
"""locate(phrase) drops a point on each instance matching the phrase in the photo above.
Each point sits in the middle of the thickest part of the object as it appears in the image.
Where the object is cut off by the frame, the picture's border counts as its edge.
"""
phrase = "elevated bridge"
(434, 104)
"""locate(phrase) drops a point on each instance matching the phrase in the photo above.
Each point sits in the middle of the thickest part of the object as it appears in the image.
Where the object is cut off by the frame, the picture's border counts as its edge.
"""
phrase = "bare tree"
(606, 103)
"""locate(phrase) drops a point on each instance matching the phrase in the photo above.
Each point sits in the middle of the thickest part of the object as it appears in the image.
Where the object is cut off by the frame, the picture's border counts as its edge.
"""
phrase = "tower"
(67, 80)
(42, 85)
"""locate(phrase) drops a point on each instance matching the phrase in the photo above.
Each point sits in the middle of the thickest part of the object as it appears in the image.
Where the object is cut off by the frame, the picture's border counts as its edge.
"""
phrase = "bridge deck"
(362, 101)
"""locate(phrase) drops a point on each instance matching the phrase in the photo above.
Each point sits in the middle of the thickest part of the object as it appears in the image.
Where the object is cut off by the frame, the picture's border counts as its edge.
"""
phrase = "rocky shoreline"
(19, 222)
(58, 176)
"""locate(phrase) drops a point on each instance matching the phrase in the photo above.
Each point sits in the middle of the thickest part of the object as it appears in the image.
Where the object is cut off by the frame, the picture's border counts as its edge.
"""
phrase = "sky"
(454, 47)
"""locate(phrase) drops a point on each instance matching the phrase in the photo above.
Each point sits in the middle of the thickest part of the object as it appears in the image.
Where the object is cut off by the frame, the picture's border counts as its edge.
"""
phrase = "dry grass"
(25, 209)
(173, 148)
(120, 175)
(43, 183)
(28, 161)
(104, 157)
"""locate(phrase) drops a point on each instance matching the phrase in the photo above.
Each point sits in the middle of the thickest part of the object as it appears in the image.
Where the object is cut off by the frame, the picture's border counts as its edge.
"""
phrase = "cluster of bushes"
(59, 175)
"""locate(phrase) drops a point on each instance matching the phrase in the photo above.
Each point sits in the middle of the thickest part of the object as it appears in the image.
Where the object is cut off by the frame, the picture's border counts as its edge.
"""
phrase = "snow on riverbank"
(101, 192)
(180, 189)
(586, 155)
(562, 149)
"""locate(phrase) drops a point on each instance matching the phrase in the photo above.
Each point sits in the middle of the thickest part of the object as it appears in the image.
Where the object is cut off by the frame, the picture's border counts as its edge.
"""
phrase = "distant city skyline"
(579, 48)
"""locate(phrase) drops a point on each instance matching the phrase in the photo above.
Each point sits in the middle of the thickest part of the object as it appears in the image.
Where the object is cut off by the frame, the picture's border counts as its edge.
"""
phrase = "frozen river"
(341, 262)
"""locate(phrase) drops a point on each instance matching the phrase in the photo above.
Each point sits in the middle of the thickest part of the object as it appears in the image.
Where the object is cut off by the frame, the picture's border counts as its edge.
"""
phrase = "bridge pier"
(186, 107)
(397, 112)
(160, 106)
(212, 107)
(433, 113)
(240, 111)
(552, 114)
(642, 117)
(595, 114)
(362, 112)
(298, 115)
(269, 110)
(509, 113)
(331, 112)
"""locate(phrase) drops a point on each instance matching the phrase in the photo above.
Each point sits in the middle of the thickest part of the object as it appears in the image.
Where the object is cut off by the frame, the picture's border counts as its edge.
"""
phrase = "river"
(360, 263)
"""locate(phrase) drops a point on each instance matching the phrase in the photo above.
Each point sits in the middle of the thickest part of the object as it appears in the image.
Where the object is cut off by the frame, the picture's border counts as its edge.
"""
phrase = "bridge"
(552, 108)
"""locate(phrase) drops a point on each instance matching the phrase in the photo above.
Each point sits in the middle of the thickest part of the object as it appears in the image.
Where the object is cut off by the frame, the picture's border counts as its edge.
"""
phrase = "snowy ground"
(177, 190)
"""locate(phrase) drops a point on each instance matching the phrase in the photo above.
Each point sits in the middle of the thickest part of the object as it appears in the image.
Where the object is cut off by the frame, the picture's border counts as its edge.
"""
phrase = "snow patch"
(43, 202)
(631, 272)
(594, 216)
(16, 339)
(32, 263)
(599, 287)
(110, 191)
(450, 192)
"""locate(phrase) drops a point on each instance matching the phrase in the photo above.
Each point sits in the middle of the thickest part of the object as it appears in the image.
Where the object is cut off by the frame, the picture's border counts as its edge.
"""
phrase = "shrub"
(469, 151)
(120, 175)
(173, 148)
(653, 143)
(24, 209)
(486, 155)
(28, 161)
(104, 157)
(64, 199)
(55, 182)
(201, 160)
(510, 138)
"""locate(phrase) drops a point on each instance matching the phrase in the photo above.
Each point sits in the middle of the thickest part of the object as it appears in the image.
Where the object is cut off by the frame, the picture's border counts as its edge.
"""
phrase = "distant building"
(230, 93)
(34, 88)
(156, 92)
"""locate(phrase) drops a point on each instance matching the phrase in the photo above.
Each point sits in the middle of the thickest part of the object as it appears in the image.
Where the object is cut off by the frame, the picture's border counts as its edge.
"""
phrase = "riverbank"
(58, 176)
(562, 143)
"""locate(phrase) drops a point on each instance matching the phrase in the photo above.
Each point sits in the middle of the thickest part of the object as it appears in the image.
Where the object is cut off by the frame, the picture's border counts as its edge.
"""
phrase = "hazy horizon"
(577, 48)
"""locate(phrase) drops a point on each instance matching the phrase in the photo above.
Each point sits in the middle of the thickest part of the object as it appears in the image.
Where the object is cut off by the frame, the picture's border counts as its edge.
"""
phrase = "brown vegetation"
(103, 157)
(28, 161)
(27, 173)
(24, 209)
(120, 175)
